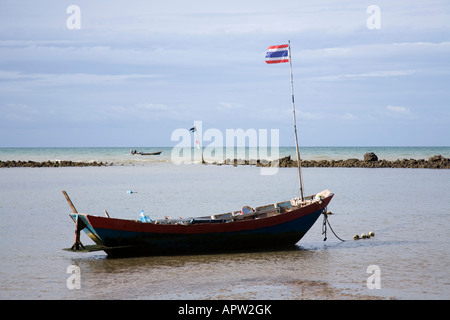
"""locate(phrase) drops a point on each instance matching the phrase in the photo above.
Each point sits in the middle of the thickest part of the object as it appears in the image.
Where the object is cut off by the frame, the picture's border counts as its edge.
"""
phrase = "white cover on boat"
(321, 195)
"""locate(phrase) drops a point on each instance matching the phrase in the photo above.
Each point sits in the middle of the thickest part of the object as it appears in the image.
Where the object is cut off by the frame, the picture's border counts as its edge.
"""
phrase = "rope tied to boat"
(324, 226)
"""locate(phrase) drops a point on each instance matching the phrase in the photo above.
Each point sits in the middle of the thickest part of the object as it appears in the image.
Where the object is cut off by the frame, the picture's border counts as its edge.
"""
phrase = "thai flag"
(277, 54)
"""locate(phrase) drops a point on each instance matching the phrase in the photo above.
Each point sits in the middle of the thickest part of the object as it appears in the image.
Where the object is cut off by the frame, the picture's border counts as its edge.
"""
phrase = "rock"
(286, 162)
(370, 157)
(436, 158)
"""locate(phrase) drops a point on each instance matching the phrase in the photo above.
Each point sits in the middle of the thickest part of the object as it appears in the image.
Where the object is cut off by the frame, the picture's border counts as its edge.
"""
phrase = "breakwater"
(37, 164)
(370, 161)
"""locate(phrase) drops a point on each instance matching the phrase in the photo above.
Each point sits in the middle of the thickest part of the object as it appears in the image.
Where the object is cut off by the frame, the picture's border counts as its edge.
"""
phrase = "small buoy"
(355, 237)
(329, 212)
(363, 236)
(372, 234)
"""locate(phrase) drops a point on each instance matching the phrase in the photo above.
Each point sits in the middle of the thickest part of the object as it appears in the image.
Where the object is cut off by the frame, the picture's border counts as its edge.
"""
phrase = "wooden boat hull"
(119, 237)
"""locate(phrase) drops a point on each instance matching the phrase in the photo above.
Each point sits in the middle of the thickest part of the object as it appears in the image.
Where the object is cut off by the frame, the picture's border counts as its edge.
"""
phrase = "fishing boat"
(273, 225)
(270, 226)
(146, 153)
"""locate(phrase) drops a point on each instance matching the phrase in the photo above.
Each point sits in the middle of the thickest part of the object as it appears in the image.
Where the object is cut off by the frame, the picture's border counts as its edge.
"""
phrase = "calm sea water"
(408, 209)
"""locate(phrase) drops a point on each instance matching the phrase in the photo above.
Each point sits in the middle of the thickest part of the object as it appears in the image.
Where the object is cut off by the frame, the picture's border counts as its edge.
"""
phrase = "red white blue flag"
(277, 54)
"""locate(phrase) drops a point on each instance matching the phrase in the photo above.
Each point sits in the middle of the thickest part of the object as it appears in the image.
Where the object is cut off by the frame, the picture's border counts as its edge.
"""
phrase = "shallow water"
(408, 210)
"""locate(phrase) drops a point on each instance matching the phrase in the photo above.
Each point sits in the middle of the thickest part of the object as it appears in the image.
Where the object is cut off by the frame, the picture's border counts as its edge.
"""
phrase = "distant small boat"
(146, 153)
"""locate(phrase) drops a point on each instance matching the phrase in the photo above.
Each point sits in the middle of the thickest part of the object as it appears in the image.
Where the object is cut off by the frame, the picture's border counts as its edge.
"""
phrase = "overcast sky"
(129, 73)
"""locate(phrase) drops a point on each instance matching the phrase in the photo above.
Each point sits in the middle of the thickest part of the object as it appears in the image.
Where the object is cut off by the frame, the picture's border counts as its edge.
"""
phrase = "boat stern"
(82, 223)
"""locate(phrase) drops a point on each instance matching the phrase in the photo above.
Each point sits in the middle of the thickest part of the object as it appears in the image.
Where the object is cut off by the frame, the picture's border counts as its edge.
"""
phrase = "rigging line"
(324, 226)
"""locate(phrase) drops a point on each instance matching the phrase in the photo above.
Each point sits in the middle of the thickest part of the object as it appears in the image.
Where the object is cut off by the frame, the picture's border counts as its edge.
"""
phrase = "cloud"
(349, 116)
(371, 74)
(19, 112)
(399, 112)
(137, 112)
(69, 79)
(178, 60)
(373, 60)
(398, 109)
(230, 106)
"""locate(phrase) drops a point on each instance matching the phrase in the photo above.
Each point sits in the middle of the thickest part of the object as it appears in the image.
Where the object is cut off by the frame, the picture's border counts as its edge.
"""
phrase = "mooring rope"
(324, 226)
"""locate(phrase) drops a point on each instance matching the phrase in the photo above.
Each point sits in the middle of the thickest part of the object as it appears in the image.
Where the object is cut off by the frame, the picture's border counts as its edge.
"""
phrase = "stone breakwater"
(370, 161)
(34, 164)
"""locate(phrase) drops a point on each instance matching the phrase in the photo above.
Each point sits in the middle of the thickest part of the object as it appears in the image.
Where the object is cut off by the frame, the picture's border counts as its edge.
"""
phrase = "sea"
(177, 155)
(406, 209)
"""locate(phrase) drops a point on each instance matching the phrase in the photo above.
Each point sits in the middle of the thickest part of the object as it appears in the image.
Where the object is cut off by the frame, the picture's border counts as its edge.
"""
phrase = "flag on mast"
(277, 54)
(194, 129)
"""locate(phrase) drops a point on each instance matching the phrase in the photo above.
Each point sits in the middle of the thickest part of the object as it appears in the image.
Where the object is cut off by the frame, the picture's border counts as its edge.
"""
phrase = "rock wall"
(370, 161)
(34, 164)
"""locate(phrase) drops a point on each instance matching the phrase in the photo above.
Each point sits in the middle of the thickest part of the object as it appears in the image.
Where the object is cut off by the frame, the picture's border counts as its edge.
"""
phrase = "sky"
(129, 73)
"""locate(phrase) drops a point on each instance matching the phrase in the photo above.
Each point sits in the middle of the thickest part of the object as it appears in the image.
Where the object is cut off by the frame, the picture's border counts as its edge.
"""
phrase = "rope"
(324, 226)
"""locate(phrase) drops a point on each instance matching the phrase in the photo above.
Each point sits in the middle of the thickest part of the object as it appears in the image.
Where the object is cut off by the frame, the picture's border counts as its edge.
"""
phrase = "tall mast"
(295, 127)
